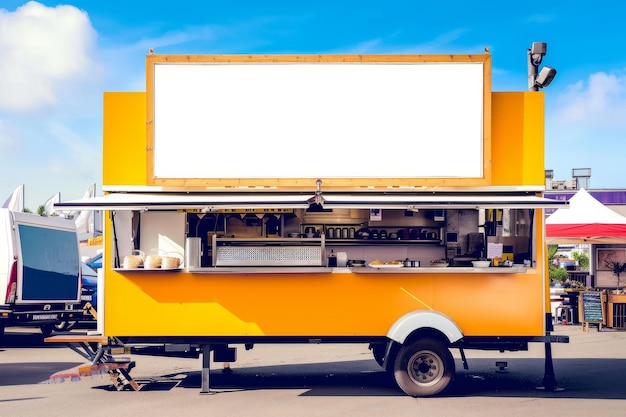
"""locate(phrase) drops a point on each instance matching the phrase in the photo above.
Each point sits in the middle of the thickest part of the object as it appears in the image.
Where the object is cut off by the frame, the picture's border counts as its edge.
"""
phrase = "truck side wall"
(324, 304)
(517, 151)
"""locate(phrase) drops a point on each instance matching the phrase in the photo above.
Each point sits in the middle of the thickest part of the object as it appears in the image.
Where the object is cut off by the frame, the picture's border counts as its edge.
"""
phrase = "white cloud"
(586, 128)
(41, 48)
(598, 103)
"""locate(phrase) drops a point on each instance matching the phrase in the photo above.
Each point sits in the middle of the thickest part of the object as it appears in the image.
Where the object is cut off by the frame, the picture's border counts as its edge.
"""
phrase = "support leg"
(206, 368)
(549, 379)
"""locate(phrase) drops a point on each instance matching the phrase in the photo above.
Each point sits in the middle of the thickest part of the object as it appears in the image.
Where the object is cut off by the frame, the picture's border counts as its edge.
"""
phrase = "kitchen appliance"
(193, 252)
(332, 259)
(453, 248)
(342, 259)
(476, 244)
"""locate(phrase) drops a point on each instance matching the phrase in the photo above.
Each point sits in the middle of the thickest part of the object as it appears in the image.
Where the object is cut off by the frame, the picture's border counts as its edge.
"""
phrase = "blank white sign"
(318, 120)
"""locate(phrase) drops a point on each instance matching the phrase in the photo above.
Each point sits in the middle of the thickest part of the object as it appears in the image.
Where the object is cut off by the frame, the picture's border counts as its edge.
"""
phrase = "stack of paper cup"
(132, 261)
(152, 262)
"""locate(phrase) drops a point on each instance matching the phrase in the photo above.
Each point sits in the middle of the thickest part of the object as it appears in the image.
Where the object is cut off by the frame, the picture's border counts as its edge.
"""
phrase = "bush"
(558, 274)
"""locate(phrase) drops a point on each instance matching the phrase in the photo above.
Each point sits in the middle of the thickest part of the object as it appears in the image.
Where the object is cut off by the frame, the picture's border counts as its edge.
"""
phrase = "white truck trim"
(420, 319)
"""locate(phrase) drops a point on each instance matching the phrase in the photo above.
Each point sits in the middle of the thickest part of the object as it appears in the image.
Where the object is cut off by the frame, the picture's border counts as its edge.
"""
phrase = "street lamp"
(535, 82)
(538, 79)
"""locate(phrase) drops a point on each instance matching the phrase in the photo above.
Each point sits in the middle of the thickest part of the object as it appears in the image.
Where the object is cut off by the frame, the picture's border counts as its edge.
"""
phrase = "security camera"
(539, 48)
(545, 77)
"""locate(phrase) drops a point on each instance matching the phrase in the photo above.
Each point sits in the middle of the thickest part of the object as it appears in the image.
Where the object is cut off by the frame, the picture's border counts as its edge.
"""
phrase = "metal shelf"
(331, 242)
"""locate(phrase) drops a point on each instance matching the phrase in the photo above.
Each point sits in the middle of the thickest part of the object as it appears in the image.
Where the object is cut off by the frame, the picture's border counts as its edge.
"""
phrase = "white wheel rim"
(425, 368)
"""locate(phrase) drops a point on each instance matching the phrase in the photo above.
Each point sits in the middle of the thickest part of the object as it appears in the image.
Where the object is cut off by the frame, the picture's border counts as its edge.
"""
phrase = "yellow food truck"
(394, 200)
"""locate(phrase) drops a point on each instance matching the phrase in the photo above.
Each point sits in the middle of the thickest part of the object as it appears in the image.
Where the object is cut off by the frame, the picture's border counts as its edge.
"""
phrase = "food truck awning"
(439, 201)
(213, 202)
(176, 201)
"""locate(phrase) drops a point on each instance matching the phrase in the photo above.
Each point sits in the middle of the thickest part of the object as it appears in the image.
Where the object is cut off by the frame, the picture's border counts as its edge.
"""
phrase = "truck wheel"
(46, 329)
(424, 368)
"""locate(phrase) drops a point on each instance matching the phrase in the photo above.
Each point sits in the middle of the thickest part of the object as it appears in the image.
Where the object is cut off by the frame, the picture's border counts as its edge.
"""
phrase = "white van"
(40, 279)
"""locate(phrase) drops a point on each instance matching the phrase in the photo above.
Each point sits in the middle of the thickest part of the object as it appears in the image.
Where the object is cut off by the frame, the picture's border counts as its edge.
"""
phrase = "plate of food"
(439, 263)
(390, 264)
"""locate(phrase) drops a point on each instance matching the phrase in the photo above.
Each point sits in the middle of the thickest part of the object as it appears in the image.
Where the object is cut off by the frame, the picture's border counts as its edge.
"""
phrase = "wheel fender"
(420, 319)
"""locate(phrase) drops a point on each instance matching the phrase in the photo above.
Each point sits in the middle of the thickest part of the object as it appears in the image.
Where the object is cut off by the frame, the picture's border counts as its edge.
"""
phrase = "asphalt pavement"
(321, 380)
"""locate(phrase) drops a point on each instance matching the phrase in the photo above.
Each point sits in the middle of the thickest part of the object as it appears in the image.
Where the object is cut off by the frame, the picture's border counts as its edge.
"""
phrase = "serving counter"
(358, 270)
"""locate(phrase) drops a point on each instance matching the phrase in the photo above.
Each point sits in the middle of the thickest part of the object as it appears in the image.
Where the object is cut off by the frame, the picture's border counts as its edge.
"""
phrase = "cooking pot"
(408, 263)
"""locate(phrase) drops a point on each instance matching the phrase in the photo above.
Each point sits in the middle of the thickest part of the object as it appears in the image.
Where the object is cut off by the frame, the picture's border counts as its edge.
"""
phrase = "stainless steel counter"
(326, 270)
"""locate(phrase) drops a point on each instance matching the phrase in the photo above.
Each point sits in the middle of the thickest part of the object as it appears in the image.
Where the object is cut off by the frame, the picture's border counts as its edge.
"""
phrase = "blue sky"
(57, 59)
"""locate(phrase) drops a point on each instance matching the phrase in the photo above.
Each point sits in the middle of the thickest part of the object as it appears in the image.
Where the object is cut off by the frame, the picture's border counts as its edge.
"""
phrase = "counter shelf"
(142, 270)
(439, 270)
(355, 270)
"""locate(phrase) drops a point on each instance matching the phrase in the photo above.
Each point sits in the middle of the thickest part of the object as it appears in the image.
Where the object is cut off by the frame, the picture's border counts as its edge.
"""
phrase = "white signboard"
(318, 120)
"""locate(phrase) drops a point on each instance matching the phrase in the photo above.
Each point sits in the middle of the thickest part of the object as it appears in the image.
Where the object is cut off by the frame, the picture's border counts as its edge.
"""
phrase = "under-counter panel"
(268, 252)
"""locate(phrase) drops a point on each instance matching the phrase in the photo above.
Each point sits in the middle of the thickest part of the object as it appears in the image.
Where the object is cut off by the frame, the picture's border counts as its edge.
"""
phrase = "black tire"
(47, 329)
(378, 350)
(424, 368)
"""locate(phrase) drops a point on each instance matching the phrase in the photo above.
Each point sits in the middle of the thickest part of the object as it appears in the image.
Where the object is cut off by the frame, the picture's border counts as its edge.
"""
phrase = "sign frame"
(160, 173)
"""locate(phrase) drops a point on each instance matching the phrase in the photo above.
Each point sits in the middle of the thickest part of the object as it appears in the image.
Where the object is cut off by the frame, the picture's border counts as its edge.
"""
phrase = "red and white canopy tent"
(585, 221)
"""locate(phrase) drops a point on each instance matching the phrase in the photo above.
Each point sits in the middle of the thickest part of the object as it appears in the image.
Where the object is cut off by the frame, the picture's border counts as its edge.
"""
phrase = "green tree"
(583, 260)
(556, 274)
(617, 268)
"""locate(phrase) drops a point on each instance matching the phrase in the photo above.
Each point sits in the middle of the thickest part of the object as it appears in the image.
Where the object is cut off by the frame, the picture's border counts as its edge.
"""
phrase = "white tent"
(585, 221)
(15, 202)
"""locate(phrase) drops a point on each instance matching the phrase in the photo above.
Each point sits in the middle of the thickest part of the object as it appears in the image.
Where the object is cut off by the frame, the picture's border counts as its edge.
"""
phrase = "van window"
(50, 263)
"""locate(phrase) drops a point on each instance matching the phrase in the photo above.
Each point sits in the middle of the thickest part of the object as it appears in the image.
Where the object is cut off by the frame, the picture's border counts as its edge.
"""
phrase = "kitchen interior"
(360, 236)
